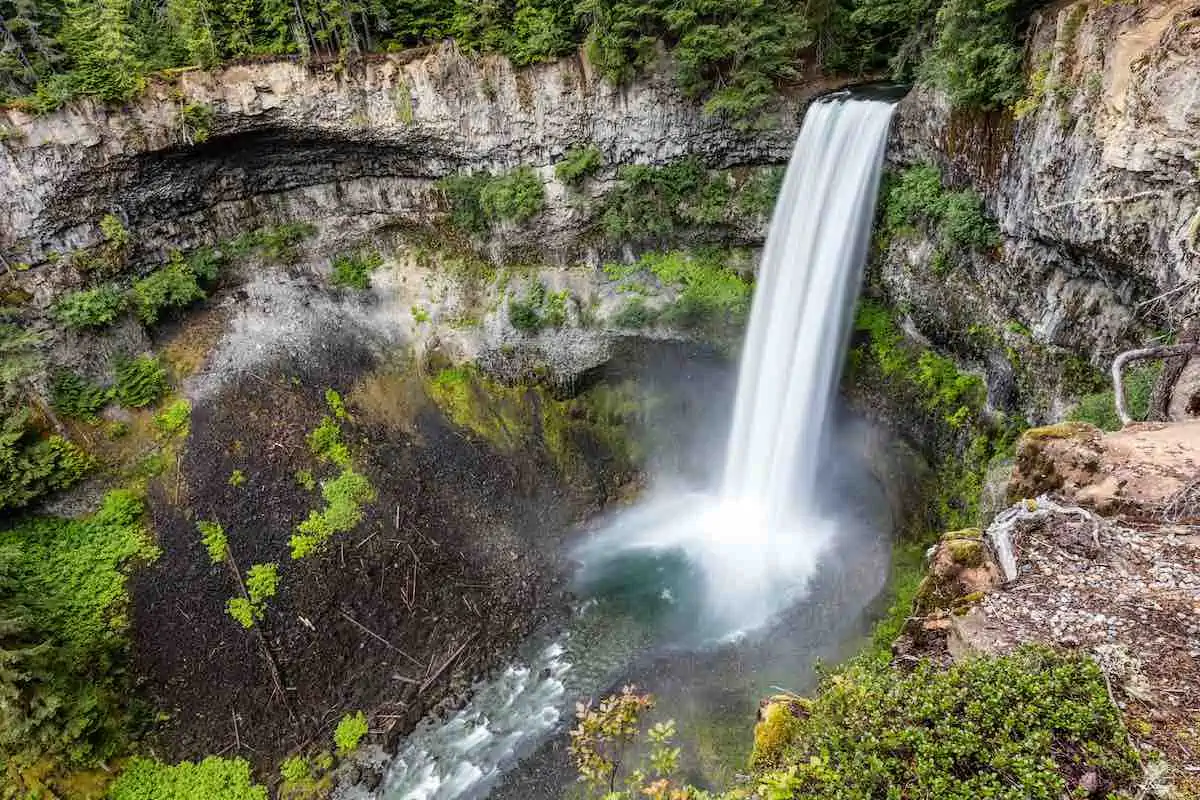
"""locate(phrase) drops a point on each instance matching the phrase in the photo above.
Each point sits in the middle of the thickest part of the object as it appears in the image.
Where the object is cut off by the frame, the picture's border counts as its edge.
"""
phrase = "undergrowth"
(709, 294)
(211, 779)
(957, 221)
(1100, 409)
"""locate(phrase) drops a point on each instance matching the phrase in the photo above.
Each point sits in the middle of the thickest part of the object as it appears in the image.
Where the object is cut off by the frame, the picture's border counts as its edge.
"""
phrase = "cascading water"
(752, 546)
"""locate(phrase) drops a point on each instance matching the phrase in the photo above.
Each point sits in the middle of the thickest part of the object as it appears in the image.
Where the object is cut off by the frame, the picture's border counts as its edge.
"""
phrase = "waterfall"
(807, 287)
(753, 545)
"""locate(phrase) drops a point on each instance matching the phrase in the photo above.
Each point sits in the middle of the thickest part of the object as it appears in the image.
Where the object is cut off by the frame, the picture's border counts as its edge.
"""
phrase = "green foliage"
(279, 244)
(242, 611)
(32, 464)
(515, 196)
(756, 197)
(635, 314)
(295, 769)
(1012, 728)
(650, 204)
(326, 444)
(305, 479)
(90, 308)
(353, 270)
(958, 222)
(66, 699)
(578, 164)
(211, 779)
(114, 231)
(75, 396)
(709, 294)
(237, 478)
(175, 285)
(958, 397)
(538, 309)
(195, 120)
(140, 381)
(344, 497)
(349, 732)
(977, 53)
(213, 537)
(479, 200)
(175, 419)
(1100, 409)
(262, 582)
(335, 403)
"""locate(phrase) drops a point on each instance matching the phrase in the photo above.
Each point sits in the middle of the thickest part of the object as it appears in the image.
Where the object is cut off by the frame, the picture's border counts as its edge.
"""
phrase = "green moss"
(710, 295)
(967, 552)
(211, 779)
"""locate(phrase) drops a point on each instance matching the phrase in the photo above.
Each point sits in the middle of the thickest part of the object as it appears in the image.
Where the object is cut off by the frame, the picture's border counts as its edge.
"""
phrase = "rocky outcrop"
(346, 150)
(1096, 191)
(1102, 558)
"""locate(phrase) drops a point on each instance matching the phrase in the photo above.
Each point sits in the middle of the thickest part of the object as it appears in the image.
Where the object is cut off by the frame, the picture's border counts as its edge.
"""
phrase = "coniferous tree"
(97, 36)
(192, 19)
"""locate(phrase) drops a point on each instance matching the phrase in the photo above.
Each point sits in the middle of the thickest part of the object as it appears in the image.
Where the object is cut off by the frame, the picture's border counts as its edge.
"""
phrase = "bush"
(1100, 409)
(1015, 727)
(211, 779)
(354, 269)
(635, 314)
(349, 733)
(344, 497)
(175, 419)
(172, 286)
(62, 699)
(515, 196)
(212, 535)
(75, 396)
(578, 163)
(140, 381)
(90, 308)
(653, 203)
(279, 244)
(958, 222)
(709, 294)
(32, 464)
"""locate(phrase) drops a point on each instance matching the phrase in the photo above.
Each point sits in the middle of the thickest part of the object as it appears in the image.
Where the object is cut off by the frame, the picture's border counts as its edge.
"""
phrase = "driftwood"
(1143, 354)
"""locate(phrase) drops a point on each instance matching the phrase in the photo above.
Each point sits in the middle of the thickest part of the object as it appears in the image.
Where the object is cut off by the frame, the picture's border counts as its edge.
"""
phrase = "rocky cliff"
(1095, 189)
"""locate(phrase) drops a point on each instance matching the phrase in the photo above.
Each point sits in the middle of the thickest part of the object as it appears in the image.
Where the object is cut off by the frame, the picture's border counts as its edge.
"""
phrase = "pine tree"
(193, 21)
(98, 38)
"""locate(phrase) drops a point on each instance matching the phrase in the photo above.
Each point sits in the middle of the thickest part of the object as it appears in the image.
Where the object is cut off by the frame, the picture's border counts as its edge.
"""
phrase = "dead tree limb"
(379, 638)
(1143, 354)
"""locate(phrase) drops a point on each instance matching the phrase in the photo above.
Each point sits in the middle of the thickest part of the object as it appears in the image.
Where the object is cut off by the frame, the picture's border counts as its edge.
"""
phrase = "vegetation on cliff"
(735, 56)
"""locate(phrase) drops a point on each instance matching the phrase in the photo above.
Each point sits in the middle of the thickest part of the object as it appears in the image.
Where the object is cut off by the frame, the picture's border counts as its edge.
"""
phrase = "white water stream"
(754, 544)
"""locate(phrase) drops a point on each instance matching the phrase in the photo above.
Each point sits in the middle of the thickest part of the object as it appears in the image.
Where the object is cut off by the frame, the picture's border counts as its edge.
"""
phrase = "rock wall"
(347, 149)
(1096, 189)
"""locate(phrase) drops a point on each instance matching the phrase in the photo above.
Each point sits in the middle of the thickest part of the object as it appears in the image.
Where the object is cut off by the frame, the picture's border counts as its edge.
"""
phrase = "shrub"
(140, 381)
(635, 314)
(344, 497)
(174, 420)
(1100, 409)
(237, 478)
(211, 779)
(709, 293)
(172, 286)
(196, 121)
(349, 733)
(958, 221)
(515, 196)
(354, 269)
(114, 231)
(33, 465)
(295, 769)
(212, 535)
(466, 211)
(1012, 728)
(279, 244)
(756, 197)
(90, 308)
(577, 164)
(653, 203)
(75, 396)
(64, 700)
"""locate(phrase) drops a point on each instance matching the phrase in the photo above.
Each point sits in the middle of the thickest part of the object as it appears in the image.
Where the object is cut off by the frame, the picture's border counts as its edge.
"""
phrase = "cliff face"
(1095, 189)
(348, 151)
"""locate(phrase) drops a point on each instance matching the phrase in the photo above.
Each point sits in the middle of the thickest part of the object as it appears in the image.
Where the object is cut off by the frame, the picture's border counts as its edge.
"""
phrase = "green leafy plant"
(350, 732)
(75, 396)
(262, 583)
(175, 285)
(578, 164)
(195, 120)
(213, 537)
(237, 478)
(635, 314)
(1100, 408)
(90, 308)
(174, 419)
(32, 464)
(653, 204)
(211, 779)
(353, 270)
(305, 479)
(344, 497)
(515, 196)
(139, 381)
(278, 244)
(916, 200)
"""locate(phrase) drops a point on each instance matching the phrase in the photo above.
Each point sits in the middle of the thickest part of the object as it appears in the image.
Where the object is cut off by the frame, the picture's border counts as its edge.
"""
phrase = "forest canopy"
(734, 56)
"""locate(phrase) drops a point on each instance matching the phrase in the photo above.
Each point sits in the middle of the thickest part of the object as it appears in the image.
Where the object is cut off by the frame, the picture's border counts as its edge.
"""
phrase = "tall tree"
(98, 38)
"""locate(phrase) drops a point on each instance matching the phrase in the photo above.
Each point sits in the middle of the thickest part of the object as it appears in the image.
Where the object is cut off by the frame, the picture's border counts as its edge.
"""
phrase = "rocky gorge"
(499, 374)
